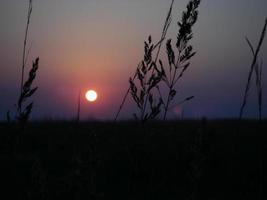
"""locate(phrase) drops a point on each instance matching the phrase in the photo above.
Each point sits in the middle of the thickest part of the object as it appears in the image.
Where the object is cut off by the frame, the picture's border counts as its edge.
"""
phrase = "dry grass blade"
(250, 46)
(252, 68)
(165, 29)
(24, 56)
(181, 102)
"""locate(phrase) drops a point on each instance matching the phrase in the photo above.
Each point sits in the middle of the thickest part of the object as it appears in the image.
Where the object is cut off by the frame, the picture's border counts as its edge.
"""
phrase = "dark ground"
(209, 160)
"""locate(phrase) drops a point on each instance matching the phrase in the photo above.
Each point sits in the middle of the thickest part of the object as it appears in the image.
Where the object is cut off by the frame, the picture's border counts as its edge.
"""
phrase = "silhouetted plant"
(151, 72)
(27, 92)
(148, 76)
(258, 71)
(178, 64)
(158, 47)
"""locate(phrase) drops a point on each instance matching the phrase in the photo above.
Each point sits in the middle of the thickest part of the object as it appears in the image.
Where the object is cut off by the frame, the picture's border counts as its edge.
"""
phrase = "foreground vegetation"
(158, 160)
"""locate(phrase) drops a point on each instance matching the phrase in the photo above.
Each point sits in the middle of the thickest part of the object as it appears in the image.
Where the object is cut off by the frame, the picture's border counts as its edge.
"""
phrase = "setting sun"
(91, 95)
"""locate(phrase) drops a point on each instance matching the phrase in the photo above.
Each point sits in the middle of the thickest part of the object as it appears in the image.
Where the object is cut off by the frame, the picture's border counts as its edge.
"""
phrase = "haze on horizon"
(97, 44)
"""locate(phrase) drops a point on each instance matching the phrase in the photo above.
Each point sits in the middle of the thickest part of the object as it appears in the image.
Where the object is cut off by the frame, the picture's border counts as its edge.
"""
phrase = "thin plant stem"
(123, 100)
(252, 66)
(167, 105)
(181, 102)
(25, 46)
(165, 29)
(258, 72)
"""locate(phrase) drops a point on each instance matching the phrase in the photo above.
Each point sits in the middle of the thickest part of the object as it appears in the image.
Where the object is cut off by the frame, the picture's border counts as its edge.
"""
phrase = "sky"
(97, 44)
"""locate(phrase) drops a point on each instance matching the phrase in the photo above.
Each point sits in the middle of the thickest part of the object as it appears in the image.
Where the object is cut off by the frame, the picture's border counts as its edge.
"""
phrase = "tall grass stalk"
(26, 90)
(253, 67)
(178, 64)
(156, 47)
(24, 55)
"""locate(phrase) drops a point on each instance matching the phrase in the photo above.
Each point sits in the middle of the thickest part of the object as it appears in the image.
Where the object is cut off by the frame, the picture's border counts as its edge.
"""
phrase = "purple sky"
(97, 44)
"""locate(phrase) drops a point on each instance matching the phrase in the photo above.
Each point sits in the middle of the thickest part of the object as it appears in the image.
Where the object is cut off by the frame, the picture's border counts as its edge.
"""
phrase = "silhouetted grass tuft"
(27, 92)
(158, 47)
(150, 72)
(179, 63)
(148, 76)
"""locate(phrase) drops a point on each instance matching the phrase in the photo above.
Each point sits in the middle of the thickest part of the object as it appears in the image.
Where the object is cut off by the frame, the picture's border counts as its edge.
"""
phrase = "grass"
(24, 55)
(146, 70)
(148, 76)
(26, 88)
(150, 73)
(158, 160)
(179, 63)
(254, 67)
(27, 92)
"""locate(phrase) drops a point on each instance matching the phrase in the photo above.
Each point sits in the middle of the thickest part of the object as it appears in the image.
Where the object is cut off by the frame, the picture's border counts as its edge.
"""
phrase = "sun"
(91, 95)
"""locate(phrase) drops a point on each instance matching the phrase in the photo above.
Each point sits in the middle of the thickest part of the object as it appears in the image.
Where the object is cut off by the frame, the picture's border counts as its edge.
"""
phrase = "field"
(102, 160)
